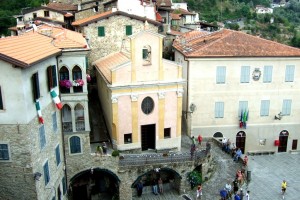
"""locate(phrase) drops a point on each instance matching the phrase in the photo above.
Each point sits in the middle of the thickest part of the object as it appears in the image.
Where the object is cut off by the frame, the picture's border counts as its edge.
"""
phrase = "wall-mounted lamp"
(37, 176)
(278, 117)
(192, 109)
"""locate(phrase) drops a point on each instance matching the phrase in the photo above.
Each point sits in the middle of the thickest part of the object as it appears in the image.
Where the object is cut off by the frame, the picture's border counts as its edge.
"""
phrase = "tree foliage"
(9, 8)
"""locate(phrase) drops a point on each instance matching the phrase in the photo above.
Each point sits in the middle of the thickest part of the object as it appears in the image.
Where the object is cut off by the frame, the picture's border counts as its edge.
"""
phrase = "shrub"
(195, 178)
(115, 153)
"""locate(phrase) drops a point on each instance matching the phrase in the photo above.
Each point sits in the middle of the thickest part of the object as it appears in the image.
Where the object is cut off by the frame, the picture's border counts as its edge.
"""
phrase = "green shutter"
(129, 30)
(145, 53)
(101, 31)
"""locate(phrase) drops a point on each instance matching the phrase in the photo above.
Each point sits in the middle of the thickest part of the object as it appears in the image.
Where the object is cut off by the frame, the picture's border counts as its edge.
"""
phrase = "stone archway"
(240, 141)
(171, 180)
(94, 182)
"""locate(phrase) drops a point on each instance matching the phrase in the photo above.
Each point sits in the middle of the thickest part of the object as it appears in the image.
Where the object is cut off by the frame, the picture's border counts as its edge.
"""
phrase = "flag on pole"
(56, 99)
(245, 118)
(39, 111)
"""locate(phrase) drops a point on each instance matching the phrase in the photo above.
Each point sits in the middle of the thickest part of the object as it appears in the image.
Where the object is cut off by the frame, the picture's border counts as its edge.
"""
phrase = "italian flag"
(38, 109)
(56, 99)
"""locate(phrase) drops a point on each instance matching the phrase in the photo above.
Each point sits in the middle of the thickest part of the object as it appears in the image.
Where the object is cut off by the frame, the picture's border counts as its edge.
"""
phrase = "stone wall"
(129, 174)
(17, 174)
(115, 36)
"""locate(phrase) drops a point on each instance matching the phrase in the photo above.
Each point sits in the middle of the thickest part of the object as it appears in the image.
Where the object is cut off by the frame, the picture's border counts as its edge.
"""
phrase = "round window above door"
(147, 105)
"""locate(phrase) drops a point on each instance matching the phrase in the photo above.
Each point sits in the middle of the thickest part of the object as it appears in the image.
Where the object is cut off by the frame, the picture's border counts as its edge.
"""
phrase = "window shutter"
(46, 173)
(267, 74)
(36, 86)
(64, 184)
(145, 53)
(101, 31)
(1, 101)
(57, 154)
(245, 74)
(264, 109)
(54, 75)
(289, 73)
(129, 30)
(286, 107)
(4, 155)
(221, 74)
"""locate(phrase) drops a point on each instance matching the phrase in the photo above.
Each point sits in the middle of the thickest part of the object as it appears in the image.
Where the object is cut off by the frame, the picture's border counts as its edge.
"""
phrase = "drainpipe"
(61, 128)
(188, 120)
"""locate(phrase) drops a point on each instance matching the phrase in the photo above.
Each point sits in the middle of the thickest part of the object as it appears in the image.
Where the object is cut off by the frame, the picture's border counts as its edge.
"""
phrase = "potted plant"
(65, 83)
(78, 82)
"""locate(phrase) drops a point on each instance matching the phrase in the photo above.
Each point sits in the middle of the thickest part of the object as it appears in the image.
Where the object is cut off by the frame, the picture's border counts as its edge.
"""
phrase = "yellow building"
(141, 95)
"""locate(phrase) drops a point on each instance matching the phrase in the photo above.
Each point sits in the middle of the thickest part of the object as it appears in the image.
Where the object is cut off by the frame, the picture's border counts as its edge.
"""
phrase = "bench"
(255, 153)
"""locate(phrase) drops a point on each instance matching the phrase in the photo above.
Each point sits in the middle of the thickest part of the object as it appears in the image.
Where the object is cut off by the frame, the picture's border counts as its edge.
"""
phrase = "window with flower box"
(64, 81)
(77, 79)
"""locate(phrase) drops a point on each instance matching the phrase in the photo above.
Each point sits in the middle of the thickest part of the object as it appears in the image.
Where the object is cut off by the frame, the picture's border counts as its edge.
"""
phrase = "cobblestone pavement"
(225, 170)
(267, 173)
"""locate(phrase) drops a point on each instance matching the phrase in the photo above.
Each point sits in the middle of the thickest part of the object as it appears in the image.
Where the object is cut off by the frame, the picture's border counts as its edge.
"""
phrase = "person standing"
(235, 185)
(160, 185)
(283, 188)
(199, 139)
(154, 187)
(139, 188)
(247, 195)
(199, 191)
(193, 149)
(241, 194)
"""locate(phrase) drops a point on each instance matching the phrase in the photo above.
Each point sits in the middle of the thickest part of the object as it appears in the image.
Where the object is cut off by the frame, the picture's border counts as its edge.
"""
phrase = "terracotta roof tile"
(175, 16)
(95, 18)
(64, 38)
(62, 6)
(26, 50)
(184, 12)
(107, 64)
(163, 3)
(173, 32)
(229, 43)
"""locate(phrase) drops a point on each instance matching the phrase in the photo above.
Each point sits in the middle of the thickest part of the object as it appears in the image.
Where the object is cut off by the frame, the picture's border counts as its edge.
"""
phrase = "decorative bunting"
(56, 99)
(39, 111)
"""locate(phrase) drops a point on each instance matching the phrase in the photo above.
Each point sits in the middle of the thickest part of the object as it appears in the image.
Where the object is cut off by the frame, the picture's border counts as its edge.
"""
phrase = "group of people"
(233, 189)
(157, 187)
(101, 149)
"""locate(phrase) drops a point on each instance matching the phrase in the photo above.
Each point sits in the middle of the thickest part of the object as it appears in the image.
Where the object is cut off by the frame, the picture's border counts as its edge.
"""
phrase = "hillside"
(241, 15)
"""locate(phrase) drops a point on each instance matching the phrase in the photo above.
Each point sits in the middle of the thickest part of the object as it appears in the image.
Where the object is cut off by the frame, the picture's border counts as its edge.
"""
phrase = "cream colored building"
(141, 95)
(230, 74)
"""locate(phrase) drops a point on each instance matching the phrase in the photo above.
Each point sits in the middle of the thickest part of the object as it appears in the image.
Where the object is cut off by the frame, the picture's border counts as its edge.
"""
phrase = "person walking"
(283, 188)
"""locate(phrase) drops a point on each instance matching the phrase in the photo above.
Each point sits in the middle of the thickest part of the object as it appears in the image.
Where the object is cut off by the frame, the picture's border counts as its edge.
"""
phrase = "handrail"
(160, 158)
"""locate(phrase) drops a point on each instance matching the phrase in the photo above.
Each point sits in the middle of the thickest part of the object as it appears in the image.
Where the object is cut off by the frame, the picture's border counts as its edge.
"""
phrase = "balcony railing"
(67, 127)
(80, 125)
(159, 158)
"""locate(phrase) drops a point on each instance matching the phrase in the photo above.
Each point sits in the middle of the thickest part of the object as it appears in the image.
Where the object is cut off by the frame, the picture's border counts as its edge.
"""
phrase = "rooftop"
(229, 43)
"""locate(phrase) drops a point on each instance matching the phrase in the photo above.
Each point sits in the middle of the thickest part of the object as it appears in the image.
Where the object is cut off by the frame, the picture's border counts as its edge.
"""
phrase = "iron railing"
(160, 158)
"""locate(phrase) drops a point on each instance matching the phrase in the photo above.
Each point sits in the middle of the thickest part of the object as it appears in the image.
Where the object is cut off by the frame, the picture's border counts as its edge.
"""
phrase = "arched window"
(64, 80)
(146, 55)
(77, 79)
(75, 144)
(79, 117)
(67, 118)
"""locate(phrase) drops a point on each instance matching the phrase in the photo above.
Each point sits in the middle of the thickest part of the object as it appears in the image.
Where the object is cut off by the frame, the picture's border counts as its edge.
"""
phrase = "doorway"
(283, 140)
(294, 144)
(148, 137)
(240, 141)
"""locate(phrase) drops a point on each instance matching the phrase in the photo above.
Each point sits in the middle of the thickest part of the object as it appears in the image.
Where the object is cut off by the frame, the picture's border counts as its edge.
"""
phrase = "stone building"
(109, 32)
(141, 95)
(53, 56)
(31, 153)
(242, 87)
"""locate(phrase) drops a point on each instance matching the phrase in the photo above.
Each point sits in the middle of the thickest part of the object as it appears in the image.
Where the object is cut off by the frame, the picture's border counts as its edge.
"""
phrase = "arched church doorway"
(171, 180)
(94, 184)
(240, 141)
(283, 140)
